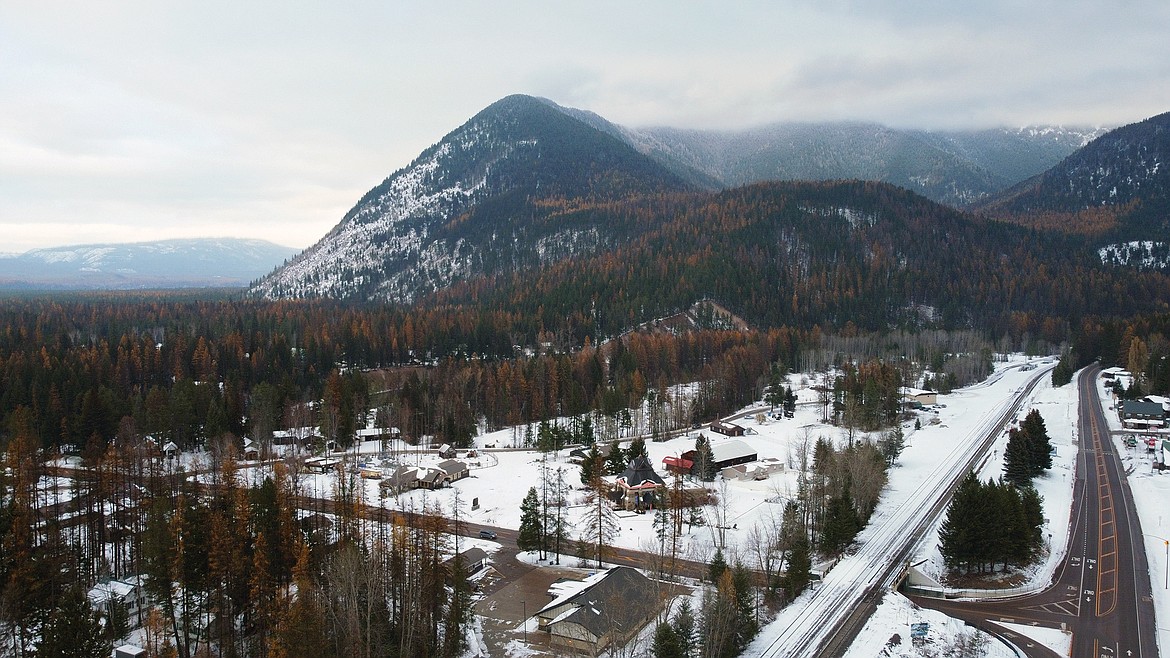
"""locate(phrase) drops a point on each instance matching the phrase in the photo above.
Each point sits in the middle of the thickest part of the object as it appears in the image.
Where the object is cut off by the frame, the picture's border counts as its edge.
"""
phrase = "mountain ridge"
(176, 263)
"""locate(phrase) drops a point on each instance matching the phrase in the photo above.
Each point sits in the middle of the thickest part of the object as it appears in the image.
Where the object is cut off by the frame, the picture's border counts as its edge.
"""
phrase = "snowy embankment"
(1058, 406)
(935, 457)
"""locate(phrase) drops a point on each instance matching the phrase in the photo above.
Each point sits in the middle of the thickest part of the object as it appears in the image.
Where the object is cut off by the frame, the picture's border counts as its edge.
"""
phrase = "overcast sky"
(131, 121)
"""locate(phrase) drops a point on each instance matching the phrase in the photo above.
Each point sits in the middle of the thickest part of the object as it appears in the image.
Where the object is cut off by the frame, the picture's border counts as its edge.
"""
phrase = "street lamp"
(1166, 543)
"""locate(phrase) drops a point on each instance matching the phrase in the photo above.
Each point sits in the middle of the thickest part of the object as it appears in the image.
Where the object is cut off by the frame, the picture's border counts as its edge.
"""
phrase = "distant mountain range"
(211, 262)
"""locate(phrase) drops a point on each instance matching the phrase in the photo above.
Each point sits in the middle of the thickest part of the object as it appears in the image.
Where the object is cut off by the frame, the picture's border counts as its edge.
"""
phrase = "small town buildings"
(724, 454)
(321, 464)
(607, 611)
(917, 397)
(674, 464)
(170, 450)
(456, 470)
(727, 429)
(1140, 414)
(446, 451)
(637, 488)
(129, 651)
(760, 470)
(251, 450)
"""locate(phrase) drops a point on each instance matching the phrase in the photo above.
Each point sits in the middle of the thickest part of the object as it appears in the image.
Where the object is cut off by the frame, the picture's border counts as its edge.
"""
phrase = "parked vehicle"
(487, 534)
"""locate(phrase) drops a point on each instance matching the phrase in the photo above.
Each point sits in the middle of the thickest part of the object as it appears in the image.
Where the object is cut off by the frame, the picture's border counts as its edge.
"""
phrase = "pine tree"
(1039, 444)
(717, 567)
(1017, 459)
(957, 535)
(841, 523)
(615, 464)
(704, 466)
(637, 449)
(666, 642)
(529, 537)
(73, 630)
(746, 626)
(798, 573)
(591, 463)
(684, 628)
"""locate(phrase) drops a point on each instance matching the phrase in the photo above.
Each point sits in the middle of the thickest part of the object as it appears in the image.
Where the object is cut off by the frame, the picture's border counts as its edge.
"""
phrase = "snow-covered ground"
(933, 457)
(1058, 406)
(500, 480)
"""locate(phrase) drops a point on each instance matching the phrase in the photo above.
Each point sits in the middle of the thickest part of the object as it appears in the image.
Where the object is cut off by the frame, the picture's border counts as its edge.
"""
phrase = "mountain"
(210, 262)
(486, 199)
(502, 193)
(1117, 187)
(957, 168)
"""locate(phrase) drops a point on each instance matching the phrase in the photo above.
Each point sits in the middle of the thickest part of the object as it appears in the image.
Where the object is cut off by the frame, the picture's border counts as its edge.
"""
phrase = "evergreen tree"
(615, 464)
(1039, 444)
(529, 537)
(717, 567)
(891, 444)
(746, 626)
(798, 573)
(592, 463)
(666, 642)
(958, 534)
(1063, 372)
(704, 466)
(1017, 459)
(73, 630)
(684, 628)
(841, 523)
(637, 449)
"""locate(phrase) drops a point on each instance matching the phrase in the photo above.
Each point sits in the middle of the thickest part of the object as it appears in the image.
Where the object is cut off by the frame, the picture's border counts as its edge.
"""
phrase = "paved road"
(1102, 589)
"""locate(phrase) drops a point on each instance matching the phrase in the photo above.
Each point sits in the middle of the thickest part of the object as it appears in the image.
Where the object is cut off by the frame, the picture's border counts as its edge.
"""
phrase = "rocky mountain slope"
(485, 199)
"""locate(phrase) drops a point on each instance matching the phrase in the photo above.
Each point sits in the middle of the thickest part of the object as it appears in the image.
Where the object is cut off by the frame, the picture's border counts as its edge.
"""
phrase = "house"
(251, 450)
(760, 470)
(1139, 414)
(455, 469)
(917, 397)
(432, 478)
(321, 464)
(170, 450)
(607, 611)
(446, 451)
(474, 559)
(727, 429)
(129, 651)
(403, 478)
(129, 594)
(637, 488)
(578, 455)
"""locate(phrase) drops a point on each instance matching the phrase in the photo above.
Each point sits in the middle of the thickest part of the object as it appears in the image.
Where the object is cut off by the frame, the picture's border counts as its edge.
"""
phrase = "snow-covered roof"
(724, 450)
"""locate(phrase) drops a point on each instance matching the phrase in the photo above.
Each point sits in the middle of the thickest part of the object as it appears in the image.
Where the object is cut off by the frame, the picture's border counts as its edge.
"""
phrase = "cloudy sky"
(131, 121)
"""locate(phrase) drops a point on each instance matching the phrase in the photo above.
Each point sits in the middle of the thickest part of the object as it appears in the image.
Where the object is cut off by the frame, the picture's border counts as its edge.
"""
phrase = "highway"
(826, 624)
(1101, 591)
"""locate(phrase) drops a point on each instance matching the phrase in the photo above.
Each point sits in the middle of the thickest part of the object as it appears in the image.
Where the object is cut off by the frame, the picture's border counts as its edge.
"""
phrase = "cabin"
(446, 451)
(474, 559)
(608, 610)
(677, 465)
(129, 594)
(727, 429)
(724, 454)
(578, 455)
